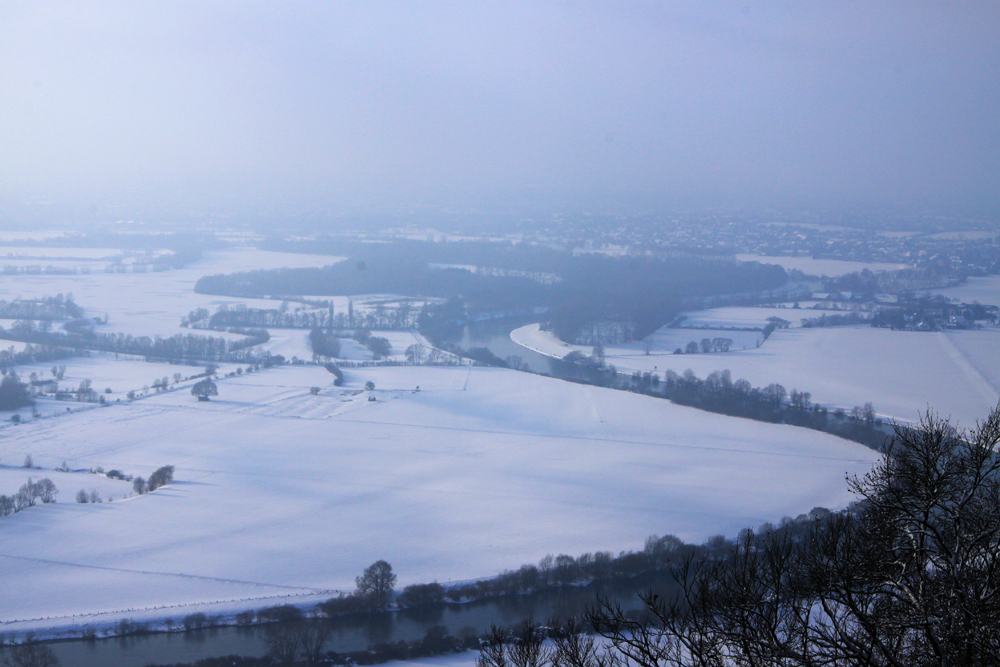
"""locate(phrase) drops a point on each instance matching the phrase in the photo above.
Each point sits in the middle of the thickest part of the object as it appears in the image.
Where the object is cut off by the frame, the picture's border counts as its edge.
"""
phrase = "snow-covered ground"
(152, 304)
(282, 493)
(295, 343)
(819, 267)
(985, 290)
(957, 373)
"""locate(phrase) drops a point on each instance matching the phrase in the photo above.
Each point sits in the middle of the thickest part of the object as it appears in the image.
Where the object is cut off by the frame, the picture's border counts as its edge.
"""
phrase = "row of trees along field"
(177, 347)
(57, 307)
(397, 315)
(719, 393)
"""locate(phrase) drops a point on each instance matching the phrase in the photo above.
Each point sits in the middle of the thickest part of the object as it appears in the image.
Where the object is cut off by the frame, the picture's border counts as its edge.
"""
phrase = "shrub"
(281, 613)
(419, 595)
(161, 477)
(195, 621)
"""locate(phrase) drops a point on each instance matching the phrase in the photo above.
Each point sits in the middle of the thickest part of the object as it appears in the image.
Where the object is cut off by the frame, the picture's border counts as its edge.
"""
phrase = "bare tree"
(376, 584)
(313, 636)
(415, 354)
(523, 647)
(46, 490)
(283, 641)
(31, 655)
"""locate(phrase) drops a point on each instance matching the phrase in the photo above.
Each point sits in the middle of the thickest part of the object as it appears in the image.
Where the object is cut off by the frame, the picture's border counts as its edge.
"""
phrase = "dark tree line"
(401, 316)
(630, 296)
(57, 307)
(33, 354)
(179, 347)
(773, 403)
(719, 393)
(869, 283)
(301, 642)
(838, 320)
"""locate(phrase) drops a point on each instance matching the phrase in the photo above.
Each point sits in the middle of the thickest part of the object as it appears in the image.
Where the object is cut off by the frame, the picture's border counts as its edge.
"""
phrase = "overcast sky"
(372, 105)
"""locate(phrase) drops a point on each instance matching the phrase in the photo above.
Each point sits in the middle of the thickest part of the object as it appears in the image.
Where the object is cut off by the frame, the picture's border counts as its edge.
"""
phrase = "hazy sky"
(331, 105)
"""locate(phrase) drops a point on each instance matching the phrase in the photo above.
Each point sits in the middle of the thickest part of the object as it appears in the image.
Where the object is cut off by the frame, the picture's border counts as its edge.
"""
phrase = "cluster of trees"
(909, 575)
(706, 346)
(28, 495)
(415, 354)
(14, 394)
(161, 477)
(240, 316)
(85, 497)
(868, 283)
(402, 315)
(324, 344)
(378, 346)
(32, 354)
(837, 320)
(57, 307)
(605, 332)
(373, 593)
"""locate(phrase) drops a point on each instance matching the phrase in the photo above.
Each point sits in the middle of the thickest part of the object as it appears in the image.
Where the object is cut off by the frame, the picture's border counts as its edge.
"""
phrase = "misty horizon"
(223, 110)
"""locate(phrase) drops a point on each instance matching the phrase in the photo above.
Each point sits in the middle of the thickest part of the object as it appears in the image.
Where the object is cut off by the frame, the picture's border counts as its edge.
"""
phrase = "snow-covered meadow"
(282, 493)
(152, 304)
(902, 373)
(984, 289)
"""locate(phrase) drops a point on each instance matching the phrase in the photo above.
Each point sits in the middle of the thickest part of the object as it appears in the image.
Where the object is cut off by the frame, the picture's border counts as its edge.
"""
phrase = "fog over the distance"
(334, 106)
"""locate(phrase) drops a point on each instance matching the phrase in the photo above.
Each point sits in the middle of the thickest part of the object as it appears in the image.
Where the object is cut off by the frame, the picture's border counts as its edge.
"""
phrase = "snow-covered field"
(280, 493)
(956, 373)
(985, 290)
(819, 267)
(152, 304)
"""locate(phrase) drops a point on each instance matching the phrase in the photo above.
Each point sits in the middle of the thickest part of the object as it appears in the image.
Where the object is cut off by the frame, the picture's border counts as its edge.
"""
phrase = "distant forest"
(643, 293)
